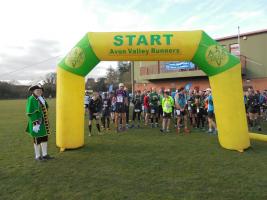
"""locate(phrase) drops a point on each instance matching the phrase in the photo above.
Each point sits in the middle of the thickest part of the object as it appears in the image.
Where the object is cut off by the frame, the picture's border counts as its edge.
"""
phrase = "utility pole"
(132, 76)
(238, 39)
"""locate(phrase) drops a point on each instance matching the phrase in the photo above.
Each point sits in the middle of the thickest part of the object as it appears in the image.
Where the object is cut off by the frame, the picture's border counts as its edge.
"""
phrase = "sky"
(36, 34)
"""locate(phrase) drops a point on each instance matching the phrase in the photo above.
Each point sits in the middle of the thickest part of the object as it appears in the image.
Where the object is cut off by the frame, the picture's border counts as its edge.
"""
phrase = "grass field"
(141, 164)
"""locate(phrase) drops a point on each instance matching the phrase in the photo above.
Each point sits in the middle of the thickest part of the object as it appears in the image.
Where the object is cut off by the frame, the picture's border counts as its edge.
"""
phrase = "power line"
(32, 65)
(29, 66)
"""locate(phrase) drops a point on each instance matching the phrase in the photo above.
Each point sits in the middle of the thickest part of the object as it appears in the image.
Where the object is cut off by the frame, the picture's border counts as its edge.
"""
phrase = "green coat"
(35, 113)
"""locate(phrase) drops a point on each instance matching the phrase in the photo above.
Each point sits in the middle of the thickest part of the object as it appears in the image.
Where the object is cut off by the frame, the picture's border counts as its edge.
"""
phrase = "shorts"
(200, 111)
(137, 110)
(180, 113)
(93, 116)
(211, 114)
(167, 115)
(106, 113)
(146, 110)
(193, 110)
(120, 108)
(253, 110)
(113, 108)
(154, 110)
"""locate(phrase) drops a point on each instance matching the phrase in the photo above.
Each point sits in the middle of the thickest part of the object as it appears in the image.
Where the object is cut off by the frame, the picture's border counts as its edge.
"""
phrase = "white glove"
(36, 128)
(42, 100)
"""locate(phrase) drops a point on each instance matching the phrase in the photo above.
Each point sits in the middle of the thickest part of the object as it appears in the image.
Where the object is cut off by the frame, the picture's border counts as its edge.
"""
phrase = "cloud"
(191, 21)
(37, 58)
(37, 30)
(244, 15)
(100, 69)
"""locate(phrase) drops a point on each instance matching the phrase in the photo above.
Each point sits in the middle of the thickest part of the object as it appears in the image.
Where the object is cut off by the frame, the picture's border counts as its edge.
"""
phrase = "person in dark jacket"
(137, 101)
(94, 107)
(106, 108)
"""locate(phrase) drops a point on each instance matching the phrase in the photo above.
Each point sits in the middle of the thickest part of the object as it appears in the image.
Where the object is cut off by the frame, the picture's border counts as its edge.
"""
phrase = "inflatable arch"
(222, 68)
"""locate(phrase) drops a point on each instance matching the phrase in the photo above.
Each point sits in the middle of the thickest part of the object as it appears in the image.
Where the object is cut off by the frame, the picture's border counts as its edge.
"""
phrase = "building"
(171, 75)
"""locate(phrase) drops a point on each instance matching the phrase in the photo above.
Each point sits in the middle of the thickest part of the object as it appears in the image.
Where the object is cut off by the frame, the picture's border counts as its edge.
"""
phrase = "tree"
(50, 85)
(124, 70)
(51, 78)
(100, 85)
(112, 76)
(90, 84)
(11, 91)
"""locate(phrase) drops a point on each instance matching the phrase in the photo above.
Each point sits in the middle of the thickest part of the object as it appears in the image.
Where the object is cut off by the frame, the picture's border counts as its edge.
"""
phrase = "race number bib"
(168, 106)
(197, 110)
(178, 112)
(120, 99)
(152, 111)
(137, 110)
(189, 107)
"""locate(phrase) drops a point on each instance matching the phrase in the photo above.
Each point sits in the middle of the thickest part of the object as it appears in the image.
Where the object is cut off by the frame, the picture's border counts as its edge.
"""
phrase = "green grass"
(141, 164)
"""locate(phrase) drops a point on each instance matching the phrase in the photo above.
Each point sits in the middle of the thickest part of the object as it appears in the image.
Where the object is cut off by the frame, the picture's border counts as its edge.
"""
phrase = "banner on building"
(178, 66)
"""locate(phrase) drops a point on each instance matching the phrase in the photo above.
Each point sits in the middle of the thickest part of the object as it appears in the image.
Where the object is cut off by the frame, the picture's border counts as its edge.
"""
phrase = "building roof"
(242, 34)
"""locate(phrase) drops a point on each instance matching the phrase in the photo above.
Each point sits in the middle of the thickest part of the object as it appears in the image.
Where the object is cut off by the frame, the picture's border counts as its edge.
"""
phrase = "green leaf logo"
(75, 58)
(216, 56)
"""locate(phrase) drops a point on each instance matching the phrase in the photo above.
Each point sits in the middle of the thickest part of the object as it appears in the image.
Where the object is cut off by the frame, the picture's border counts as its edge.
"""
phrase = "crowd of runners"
(183, 110)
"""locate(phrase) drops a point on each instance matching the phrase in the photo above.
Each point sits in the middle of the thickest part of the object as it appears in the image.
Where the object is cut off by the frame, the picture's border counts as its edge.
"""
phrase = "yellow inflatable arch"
(222, 68)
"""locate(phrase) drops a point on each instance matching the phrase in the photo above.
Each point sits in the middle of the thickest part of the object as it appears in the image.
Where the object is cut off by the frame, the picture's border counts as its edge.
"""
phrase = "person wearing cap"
(121, 104)
(38, 125)
(211, 116)
(167, 105)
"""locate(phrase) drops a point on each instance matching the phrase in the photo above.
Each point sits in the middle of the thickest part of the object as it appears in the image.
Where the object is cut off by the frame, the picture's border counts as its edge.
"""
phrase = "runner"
(253, 109)
(106, 111)
(137, 101)
(167, 104)
(95, 106)
(211, 116)
(153, 104)
(121, 103)
(146, 107)
(181, 110)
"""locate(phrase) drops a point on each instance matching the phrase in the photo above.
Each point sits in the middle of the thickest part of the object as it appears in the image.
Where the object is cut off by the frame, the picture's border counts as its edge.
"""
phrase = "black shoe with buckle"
(47, 157)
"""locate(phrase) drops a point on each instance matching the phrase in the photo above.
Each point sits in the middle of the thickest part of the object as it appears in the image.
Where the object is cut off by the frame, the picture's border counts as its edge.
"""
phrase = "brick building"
(252, 54)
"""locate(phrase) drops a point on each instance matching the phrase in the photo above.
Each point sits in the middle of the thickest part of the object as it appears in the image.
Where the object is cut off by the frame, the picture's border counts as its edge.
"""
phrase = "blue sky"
(35, 30)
